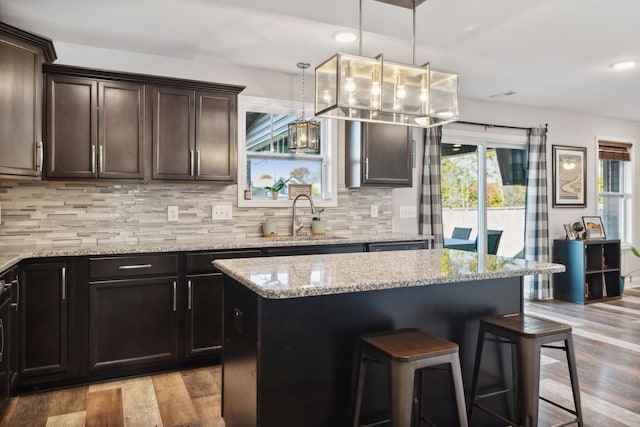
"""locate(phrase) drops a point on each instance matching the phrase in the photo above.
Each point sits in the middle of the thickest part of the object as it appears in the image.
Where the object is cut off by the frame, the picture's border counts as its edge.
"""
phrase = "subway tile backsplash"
(54, 213)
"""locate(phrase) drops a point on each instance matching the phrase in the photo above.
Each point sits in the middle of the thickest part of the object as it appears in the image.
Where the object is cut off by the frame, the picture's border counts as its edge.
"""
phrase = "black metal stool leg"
(360, 390)
(476, 371)
(573, 376)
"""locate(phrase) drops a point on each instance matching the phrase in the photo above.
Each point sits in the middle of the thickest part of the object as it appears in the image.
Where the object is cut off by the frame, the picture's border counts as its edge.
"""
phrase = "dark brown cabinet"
(22, 56)
(194, 135)
(378, 155)
(43, 315)
(203, 314)
(95, 129)
(133, 311)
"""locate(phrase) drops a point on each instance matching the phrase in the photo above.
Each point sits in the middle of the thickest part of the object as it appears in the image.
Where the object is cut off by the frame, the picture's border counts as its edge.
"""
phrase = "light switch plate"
(374, 211)
(408, 212)
(173, 214)
(221, 212)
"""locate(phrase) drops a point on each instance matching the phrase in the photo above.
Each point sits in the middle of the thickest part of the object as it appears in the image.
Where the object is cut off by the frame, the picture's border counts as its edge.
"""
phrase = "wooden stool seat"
(405, 352)
(527, 334)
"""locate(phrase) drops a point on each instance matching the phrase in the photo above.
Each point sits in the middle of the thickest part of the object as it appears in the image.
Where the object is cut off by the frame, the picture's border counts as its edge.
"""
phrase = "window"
(264, 156)
(483, 177)
(614, 188)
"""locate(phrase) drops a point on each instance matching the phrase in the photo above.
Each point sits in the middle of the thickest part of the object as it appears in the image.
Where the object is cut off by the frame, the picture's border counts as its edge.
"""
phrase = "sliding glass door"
(483, 188)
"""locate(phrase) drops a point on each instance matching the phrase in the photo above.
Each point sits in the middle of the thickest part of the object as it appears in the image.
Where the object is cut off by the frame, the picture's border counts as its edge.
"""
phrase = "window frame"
(627, 195)
(329, 145)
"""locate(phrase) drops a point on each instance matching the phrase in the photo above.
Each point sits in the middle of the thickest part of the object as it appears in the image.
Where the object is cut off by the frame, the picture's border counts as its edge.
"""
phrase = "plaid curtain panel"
(537, 214)
(430, 194)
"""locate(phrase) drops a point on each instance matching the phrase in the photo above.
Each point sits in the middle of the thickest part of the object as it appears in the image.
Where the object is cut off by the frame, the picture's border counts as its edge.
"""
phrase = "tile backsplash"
(51, 213)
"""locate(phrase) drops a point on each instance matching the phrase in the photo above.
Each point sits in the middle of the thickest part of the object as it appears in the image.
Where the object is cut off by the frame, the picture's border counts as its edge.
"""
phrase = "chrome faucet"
(296, 222)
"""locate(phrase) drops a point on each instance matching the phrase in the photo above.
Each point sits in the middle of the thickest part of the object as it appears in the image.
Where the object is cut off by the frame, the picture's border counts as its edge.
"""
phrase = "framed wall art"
(295, 189)
(593, 227)
(569, 176)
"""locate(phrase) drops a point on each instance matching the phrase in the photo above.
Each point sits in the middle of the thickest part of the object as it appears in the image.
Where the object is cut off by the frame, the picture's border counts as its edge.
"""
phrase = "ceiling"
(552, 53)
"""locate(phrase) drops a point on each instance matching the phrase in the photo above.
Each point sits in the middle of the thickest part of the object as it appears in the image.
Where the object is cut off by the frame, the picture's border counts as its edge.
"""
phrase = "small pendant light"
(304, 134)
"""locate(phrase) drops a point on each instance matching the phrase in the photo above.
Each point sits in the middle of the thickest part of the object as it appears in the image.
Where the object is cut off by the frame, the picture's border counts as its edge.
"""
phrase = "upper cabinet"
(95, 129)
(112, 125)
(377, 155)
(22, 55)
(194, 135)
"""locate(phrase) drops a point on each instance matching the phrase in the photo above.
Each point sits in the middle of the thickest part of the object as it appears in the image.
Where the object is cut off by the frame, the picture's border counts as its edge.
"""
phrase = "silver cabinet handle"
(134, 266)
(175, 291)
(93, 158)
(190, 294)
(100, 158)
(2, 348)
(366, 168)
(39, 156)
(64, 283)
(191, 167)
(197, 163)
(16, 283)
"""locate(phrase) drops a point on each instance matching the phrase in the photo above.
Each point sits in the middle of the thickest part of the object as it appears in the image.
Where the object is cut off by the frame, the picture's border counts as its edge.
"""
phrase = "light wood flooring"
(606, 338)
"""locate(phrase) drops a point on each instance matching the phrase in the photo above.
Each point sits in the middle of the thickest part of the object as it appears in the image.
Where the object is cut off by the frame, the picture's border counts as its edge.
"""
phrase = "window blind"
(609, 150)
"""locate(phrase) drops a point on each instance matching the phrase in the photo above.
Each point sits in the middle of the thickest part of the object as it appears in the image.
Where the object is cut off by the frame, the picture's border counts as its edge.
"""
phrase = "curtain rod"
(546, 125)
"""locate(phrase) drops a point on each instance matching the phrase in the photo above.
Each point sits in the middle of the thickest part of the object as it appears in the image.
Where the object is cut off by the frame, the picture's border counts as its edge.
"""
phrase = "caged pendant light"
(304, 134)
(359, 88)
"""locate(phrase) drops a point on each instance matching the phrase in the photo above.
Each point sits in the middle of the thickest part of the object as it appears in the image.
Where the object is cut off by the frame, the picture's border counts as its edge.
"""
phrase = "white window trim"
(628, 208)
(329, 138)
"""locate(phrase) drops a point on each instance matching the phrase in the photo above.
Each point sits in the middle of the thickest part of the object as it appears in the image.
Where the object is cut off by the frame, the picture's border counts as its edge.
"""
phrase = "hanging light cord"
(303, 66)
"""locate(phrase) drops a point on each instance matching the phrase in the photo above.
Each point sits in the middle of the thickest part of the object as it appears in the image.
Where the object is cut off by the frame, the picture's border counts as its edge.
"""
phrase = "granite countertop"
(313, 275)
(9, 256)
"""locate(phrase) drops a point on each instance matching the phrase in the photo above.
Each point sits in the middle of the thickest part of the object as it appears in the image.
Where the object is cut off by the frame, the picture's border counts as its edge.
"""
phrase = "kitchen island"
(291, 326)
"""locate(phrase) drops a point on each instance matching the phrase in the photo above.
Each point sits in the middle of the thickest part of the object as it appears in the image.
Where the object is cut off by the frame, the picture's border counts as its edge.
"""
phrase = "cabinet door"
(121, 124)
(387, 154)
(203, 327)
(216, 152)
(43, 320)
(20, 108)
(378, 155)
(5, 352)
(72, 127)
(132, 322)
(173, 134)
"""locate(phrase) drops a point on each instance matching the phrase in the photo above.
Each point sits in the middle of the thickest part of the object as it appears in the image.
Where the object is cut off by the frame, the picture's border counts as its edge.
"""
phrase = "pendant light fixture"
(304, 134)
(359, 88)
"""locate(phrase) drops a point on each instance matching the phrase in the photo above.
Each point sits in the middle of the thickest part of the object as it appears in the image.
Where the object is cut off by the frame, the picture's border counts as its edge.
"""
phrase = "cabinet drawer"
(201, 262)
(133, 266)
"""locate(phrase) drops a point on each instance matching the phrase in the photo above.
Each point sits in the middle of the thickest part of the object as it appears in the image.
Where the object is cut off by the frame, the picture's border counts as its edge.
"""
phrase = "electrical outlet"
(408, 212)
(221, 212)
(374, 211)
(173, 214)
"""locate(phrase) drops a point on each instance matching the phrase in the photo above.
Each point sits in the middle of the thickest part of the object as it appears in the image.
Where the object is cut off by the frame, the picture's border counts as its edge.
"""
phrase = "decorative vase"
(268, 229)
(274, 195)
(319, 227)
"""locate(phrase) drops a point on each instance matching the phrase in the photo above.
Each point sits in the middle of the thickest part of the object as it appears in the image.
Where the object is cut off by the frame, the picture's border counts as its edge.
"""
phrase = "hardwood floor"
(607, 344)
(606, 339)
(186, 398)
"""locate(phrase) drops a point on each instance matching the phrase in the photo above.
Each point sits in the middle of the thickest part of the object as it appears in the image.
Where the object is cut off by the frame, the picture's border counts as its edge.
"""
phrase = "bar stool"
(528, 334)
(406, 351)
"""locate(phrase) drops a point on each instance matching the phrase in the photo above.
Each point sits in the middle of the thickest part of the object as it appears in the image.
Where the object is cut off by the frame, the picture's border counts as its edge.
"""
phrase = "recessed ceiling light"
(623, 65)
(345, 37)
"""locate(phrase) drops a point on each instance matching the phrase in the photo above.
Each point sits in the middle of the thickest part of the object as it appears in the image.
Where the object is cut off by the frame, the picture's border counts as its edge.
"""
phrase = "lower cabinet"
(43, 318)
(132, 322)
(133, 311)
(6, 345)
(203, 314)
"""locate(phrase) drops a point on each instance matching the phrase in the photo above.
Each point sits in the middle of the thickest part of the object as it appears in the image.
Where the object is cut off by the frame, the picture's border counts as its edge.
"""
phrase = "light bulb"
(349, 84)
(375, 88)
(401, 92)
(424, 95)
